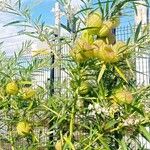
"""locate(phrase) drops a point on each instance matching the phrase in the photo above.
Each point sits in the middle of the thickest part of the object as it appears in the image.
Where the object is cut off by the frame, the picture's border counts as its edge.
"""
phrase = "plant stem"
(72, 122)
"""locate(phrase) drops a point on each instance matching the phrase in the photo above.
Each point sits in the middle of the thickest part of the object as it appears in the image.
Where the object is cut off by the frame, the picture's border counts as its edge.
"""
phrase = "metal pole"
(142, 63)
(55, 74)
(58, 46)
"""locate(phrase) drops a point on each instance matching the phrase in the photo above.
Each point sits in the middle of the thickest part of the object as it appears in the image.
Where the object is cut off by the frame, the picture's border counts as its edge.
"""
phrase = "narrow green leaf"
(101, 7)
(110, 124)
(137, 32)
(130, 68)
(1, 43)
(19, 4)
(13, 22)
(135, 109)
(83, 10)
(69, 143)
(107, 8)
(25, 82)
(135, 8)
(101, 72)
(114, 3)
(121, 74)
(104, 143)
(123, 145)
(144, 133)
(66, 27)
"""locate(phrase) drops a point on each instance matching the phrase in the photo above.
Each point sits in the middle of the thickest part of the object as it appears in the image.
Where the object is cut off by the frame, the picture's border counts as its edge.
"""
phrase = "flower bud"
(86, 37)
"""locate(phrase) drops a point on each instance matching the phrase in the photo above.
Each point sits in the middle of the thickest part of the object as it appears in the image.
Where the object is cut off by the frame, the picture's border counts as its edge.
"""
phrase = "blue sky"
(43, 8)
(46, 6)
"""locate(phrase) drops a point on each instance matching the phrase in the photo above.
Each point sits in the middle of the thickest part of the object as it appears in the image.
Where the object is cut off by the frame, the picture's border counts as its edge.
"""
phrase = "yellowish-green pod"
(12, 88)
(84, 88)
(106, 28)
(23, 128)
(122, 96)
(94, 22)
(107, 54)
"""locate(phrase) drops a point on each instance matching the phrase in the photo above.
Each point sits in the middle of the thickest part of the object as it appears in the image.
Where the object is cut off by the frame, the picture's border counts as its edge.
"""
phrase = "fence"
(122, 33)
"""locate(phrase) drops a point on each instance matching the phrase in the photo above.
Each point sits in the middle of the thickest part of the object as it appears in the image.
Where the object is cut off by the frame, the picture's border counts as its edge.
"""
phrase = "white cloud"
(76, 4)
(8, 34)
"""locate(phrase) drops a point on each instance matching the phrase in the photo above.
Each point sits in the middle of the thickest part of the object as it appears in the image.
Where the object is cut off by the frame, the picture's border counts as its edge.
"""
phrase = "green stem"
(72, 122)
(72, 116)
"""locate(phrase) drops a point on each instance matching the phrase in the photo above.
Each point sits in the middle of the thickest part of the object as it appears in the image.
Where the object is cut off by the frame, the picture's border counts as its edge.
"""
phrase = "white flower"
(93, 113)
(99, 111)
(97, 106)
(79, 103)
(136, 121)
(103, 110)
(90, 107)
(131, 121)
(125, 123)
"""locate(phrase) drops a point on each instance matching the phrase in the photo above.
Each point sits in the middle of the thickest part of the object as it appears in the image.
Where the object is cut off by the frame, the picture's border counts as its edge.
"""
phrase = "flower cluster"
(131, 120)
(97, 109)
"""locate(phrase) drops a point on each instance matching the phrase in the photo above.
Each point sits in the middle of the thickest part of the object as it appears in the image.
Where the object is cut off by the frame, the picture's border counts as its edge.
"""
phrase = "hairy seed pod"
(23, 128)
(12, 88)
(115, 21)
(97, 46)
(108, 55)
(120, 47)
(28, 93)
(84, 88)
(122, 96)
(106, 28)
(94, 22)
(59, 145)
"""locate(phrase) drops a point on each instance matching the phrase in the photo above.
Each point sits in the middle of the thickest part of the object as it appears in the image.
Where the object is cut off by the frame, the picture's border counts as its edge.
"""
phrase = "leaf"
(30, 106)
(65, 27)
(68, 141)
(135, 8)
(121, 74)
(26, 82)
(82, 10)
(137, 32)
(144, 133)
(110, 124)
(54, 112)
(107, 8)
(137, 110)
(13, 22)
(101, 72)
(101, 7)
(1, 43)
(104, 143)
(130, 68)
(19, 4)
(123, 145)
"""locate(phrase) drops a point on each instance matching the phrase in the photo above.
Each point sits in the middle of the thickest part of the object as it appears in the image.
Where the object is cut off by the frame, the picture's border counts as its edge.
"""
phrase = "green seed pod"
(94, 22)
(106, 28)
